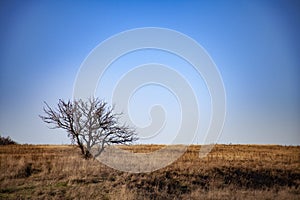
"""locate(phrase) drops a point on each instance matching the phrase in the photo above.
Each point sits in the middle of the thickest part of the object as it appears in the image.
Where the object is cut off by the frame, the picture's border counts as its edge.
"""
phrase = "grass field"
(228, 172)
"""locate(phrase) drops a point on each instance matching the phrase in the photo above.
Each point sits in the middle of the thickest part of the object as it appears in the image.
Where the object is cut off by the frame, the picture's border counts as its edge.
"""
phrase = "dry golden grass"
(228, 172)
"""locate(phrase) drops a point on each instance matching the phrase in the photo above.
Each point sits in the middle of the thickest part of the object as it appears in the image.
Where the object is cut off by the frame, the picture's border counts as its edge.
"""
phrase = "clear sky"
(255, 45)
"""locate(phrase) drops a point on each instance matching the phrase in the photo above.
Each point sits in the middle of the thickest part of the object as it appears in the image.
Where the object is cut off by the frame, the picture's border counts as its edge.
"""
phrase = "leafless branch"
(89, 124)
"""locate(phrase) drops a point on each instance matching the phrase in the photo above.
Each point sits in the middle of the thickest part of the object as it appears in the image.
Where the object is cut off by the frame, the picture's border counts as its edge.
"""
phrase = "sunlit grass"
(239, 171)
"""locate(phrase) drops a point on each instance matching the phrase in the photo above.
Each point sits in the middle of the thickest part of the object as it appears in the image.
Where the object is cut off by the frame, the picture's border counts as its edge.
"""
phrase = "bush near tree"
(6, 140)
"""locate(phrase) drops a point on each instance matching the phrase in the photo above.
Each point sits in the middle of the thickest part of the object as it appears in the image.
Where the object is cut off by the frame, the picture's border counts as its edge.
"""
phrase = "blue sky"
(255, 45)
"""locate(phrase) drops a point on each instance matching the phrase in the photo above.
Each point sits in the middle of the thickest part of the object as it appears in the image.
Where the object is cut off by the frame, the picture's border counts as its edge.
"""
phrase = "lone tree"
(91, 124)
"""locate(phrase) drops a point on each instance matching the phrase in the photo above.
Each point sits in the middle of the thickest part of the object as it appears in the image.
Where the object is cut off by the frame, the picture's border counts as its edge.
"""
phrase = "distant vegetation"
(227, 172)
(6, 140)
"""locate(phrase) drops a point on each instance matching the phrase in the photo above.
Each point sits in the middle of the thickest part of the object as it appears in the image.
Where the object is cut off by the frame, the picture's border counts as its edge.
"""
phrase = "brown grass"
(228, 172)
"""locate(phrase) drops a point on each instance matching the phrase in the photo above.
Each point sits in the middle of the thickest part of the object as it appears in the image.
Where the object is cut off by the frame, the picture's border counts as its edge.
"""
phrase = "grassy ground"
(228, 172)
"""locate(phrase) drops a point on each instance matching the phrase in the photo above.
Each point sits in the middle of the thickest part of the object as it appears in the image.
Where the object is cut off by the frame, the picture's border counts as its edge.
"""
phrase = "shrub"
(6, 140)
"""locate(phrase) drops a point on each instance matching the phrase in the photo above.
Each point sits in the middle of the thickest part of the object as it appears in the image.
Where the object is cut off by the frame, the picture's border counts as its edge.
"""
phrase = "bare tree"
(91, 124)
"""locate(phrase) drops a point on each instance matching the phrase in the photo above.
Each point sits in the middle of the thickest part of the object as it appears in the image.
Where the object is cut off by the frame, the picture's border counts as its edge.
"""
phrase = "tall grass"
(227, 172)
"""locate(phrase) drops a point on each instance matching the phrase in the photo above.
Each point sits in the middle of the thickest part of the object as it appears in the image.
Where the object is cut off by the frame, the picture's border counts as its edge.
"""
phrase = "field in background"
(228, 172)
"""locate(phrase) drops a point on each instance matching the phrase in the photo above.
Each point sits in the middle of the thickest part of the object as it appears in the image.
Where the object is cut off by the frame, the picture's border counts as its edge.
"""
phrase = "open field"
(228, 172)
